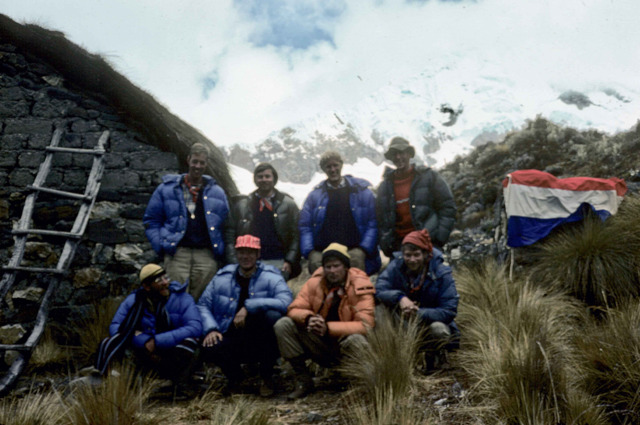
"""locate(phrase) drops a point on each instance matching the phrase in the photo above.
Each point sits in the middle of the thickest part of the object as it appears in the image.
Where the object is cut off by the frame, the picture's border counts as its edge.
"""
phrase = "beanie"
(338, 251)
(419, 238)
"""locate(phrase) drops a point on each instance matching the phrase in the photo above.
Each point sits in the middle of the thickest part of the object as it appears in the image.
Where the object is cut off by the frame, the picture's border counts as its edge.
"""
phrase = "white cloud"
(169, 48)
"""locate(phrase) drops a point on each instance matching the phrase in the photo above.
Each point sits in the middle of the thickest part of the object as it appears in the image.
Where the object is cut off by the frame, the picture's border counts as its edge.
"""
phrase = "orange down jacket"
(356, 308)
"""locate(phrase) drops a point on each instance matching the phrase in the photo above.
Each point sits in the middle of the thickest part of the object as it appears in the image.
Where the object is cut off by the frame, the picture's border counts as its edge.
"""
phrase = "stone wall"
(34, 100)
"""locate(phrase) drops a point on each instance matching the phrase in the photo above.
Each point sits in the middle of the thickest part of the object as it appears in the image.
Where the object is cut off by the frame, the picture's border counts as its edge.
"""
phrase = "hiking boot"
(304, 385)
(267, 388)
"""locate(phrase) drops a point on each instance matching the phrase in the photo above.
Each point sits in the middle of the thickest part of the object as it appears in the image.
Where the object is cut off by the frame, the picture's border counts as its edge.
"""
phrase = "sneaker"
(304, 385)
(267, 388)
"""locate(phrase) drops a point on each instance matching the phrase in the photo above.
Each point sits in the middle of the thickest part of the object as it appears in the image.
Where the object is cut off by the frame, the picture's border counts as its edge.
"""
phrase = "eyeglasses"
(161, 278)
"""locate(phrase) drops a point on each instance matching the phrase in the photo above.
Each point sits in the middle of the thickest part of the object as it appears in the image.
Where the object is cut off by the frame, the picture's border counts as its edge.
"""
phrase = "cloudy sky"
(238, 70)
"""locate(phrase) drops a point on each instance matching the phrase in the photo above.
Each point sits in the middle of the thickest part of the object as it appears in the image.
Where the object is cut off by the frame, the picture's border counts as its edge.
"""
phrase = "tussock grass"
(609, 354)
(517, 343)
(119, 399)
(48, 353)
(387, 408)
(596, 262)
(236, 411)
(93, 330)
(34, 409)
(389, 365)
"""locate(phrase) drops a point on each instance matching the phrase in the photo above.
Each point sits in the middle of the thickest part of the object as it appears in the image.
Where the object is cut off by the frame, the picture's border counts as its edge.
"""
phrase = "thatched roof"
(91, 73)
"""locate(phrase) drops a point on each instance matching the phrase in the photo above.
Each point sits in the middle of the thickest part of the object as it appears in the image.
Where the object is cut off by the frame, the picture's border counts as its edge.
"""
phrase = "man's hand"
(407, 306)
(150, 345)
(240, 318)
(212, 339)
(317, 325)
(286, 267)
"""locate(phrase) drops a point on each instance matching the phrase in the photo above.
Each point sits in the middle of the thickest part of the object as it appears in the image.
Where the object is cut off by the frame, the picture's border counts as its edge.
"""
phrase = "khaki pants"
(294, 341)
(357, 259)
(198, 265)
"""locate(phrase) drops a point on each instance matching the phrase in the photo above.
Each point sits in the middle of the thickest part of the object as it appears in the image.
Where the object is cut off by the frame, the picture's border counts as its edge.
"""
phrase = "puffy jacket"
(165, 219)
(432, 207)
(183, 314)
(363, 207)
(285, 216)
(219, 301)
(438, 296)
(356, 308)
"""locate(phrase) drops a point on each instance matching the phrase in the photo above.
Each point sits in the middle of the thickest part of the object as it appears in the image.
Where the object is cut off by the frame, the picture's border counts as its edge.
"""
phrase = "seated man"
(331, 314)
(160, 321)
(239, 308)
(417, 282)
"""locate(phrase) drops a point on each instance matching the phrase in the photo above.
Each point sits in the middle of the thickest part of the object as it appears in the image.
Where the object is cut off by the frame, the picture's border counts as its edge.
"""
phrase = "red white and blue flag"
(537, 202)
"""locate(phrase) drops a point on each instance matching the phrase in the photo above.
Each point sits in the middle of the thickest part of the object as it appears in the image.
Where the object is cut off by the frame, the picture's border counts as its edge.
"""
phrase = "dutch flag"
(537, 202)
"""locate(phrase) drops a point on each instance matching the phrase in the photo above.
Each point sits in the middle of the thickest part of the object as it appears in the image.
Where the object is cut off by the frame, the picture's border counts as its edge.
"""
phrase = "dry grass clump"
(35, 408)
(609, 354)
(48, 353)
(596, 262)
(387, 368)
(387, 408)
(93, 330)
(234, 411)
(119, 399)
(517, 345)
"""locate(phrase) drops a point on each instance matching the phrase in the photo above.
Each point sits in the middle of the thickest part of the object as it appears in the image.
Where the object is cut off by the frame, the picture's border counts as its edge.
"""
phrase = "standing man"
(340, 209)
(160, 321)
(417, 282)
(270, 215)
(412, 198)
(239, 308)
(184, 221)
(330, 315)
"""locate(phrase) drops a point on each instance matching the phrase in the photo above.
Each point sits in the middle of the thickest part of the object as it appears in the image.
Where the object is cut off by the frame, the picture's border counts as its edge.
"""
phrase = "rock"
(313, 417)
(4, 209)
(128, 253)
(29, 295)
(10, 334)
(105, 210)
(456, 254)
(102, 254)
(40, 252)
(105, 231)
(86, 277)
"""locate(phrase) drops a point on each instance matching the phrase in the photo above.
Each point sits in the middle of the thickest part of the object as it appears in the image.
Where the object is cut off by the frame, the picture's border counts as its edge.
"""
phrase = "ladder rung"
(15, 347)
(75, 150)
(46, 232)
(33, 269)
(60, 192)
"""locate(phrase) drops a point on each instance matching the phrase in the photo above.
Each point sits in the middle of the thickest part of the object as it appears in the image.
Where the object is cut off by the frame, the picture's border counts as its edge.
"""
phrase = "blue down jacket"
(438, 296)
(165, 219)
(219, 301)
(363, 207)
(183, 314)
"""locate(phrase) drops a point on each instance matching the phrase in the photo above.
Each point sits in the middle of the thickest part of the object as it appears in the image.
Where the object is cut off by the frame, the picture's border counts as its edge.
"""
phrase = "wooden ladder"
(71, 239)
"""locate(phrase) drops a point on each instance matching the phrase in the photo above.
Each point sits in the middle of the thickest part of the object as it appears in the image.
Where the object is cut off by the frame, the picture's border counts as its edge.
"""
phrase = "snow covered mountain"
(446, 110)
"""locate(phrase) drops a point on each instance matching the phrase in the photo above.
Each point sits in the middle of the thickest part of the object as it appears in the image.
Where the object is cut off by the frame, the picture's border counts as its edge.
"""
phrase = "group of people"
(193, 309)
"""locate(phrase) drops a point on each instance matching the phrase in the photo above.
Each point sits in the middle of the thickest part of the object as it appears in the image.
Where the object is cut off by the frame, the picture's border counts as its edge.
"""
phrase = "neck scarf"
(193, 189)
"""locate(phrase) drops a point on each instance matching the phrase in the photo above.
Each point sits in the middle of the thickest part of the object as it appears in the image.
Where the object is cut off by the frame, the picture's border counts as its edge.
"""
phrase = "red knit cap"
(419, 238)
(248, 241)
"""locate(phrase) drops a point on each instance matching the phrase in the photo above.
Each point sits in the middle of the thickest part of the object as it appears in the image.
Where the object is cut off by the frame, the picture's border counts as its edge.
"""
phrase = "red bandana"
(193, 190)
(264, 202)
